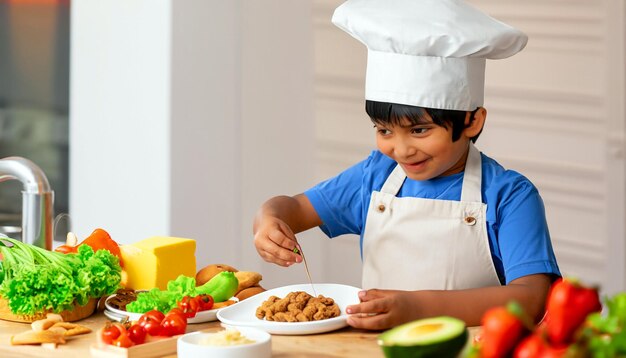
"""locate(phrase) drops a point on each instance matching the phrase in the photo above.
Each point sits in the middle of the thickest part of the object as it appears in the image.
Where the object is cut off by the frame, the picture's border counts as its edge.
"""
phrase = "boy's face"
(424, 151)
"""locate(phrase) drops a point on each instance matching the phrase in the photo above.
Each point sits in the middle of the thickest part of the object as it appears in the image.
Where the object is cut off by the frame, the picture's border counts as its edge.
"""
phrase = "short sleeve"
(523, 238)
(338, 202)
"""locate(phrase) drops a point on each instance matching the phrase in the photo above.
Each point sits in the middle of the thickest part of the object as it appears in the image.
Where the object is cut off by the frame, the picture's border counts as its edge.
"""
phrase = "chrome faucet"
(37, 200)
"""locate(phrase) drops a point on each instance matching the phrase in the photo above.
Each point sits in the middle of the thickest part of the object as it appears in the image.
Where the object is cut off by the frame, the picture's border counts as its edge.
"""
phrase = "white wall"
(120, 118)
(186, 116)
(556, 114)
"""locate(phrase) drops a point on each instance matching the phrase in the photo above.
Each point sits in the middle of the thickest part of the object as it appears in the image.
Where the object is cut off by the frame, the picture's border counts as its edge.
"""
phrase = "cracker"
(42, 324)
(34, 337)
(54, 317)
(72, 329)
(58, 330)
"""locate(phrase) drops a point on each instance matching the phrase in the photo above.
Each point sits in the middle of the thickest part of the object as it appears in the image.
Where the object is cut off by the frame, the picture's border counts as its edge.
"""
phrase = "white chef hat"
(427, 53)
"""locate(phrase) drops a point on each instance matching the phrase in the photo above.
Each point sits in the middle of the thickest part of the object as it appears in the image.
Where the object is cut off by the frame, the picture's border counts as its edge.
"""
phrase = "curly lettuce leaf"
(154, 299)
(35, 280)
(164, 301)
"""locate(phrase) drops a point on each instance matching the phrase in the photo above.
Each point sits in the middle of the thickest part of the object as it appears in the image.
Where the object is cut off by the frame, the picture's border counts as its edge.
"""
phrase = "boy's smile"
(424, 151)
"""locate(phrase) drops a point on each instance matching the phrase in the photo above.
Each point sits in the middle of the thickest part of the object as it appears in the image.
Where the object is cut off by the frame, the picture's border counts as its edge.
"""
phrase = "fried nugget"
(298, 306)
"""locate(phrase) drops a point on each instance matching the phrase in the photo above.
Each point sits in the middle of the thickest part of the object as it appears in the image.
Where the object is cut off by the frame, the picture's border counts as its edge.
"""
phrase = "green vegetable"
(164, 301)
(431, 337)
(221, 287)
(604, 335)
(33, 279)
(154, 299)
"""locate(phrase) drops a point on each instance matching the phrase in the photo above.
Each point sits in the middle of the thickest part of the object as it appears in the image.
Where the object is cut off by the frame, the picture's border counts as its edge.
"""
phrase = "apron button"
(381, 208)
(470, 220)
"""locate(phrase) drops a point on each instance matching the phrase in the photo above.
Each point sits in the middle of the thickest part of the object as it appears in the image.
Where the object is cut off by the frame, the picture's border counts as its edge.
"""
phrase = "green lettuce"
(164, 301)
(33, 279)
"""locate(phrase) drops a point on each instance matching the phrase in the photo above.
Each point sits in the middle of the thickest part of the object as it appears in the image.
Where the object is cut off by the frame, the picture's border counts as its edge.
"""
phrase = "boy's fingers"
(272, 248)
(379, 321)
(368, 295)
(271, 258)
(368, 308)
(283, 247)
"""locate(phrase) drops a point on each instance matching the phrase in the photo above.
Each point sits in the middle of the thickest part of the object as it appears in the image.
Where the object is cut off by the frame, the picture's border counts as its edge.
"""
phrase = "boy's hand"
(274, 241)
(382, 309)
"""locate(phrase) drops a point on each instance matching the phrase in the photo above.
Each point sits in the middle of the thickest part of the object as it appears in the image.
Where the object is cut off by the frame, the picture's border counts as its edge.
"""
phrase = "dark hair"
(385, 113)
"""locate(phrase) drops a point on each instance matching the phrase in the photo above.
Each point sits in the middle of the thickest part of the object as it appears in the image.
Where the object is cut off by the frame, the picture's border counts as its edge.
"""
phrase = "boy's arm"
(395, 307)
(277, 222)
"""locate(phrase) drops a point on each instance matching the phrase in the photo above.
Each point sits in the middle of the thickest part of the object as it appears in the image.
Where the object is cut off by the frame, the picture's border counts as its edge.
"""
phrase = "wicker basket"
(75, 314)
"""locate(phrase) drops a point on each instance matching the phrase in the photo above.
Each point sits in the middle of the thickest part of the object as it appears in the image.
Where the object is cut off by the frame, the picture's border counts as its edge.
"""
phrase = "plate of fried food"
(294, 310)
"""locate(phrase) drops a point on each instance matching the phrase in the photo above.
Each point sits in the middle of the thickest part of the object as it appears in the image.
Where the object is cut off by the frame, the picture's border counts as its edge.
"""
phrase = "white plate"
(118, 315)
(244, 312)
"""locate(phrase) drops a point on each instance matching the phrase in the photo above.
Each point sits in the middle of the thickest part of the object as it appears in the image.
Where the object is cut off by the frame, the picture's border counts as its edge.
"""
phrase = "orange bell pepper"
(99, 239)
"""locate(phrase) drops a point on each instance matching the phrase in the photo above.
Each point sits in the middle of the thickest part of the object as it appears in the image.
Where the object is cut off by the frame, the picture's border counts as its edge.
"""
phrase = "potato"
(206, 273)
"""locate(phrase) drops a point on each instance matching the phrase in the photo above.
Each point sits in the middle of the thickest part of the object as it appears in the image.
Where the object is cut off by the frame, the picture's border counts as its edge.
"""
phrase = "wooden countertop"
(346, 342)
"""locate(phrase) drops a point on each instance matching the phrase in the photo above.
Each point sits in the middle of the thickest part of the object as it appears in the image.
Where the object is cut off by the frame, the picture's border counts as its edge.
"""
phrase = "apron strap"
(472, 178)
(394, 181)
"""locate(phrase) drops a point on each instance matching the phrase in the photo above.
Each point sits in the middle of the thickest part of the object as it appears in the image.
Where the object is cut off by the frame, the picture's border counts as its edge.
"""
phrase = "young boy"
(445, 230)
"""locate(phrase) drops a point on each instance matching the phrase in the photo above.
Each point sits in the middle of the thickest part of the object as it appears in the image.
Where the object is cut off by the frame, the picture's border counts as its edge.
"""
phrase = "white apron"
(428, 244)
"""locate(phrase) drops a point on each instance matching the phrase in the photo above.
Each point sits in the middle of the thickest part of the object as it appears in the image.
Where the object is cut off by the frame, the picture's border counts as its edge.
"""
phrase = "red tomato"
(151, 322)
(150, 325)
(177, 310)
(137, 334)
(189, 306)
(205, 302)
(111, 332)
(155, 315)
(123, 341)
(174, 323)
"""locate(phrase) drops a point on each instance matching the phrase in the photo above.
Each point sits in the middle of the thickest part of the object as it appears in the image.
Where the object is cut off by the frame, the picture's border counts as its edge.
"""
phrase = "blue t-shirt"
(516, 224)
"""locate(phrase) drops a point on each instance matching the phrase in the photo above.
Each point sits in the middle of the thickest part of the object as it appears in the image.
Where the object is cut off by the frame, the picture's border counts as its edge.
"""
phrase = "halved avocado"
(431, 337)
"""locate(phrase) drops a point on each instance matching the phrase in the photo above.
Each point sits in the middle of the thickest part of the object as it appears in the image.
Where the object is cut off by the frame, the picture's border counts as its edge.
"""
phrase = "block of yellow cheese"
(156, 260)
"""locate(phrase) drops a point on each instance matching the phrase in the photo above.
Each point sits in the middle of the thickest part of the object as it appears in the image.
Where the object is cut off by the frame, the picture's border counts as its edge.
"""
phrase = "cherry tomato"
(205, 302)
(123, 341)
(151, 322)
(137, 334)
(177, 310)
(111, 332)
(155, 315)
(174, 323)
(189, 306)
(150, 325)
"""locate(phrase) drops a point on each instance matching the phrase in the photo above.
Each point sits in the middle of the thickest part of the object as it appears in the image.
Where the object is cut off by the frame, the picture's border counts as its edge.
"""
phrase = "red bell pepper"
(99, 239)
(534, 346)
(502, 328)
(568, 305)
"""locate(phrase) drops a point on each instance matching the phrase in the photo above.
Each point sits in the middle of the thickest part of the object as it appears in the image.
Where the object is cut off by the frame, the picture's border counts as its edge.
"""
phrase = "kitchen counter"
(346, 342)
